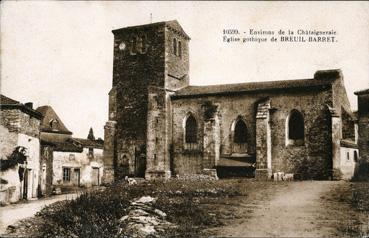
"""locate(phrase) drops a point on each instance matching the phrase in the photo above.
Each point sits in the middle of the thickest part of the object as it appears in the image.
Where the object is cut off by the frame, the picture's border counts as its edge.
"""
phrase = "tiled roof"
(248, 87)
(89, 143)
(67, 146)
(49, 115)
(365, 91)
(322, 78)
(348, 144)
(70, 144)
(5, 100)
(8, 103)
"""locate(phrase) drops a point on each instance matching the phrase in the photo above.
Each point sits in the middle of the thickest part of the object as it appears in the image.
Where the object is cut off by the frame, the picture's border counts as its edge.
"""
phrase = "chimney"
(328, 74)
(29, 105)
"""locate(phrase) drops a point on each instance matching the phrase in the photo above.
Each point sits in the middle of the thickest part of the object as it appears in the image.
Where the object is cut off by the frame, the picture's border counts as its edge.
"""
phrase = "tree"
(91, 134)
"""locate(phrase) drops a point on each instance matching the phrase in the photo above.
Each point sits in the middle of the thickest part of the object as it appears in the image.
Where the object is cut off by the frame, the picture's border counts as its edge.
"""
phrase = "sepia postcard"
(184, 119)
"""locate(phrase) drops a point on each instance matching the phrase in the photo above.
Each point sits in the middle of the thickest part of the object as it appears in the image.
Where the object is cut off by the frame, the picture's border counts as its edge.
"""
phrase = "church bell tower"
(150, 63)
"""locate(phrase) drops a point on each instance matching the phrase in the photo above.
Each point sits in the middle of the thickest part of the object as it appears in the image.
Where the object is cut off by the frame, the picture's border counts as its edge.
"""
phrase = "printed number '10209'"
(230, 31)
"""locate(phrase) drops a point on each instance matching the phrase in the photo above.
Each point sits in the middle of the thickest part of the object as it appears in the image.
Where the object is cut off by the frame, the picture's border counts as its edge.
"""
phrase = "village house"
(67, 162)
(160, 126)
(39, 156)
(19, 138)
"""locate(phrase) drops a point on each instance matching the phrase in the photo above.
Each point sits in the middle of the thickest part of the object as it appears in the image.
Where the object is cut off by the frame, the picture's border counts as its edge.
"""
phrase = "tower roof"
(8, 103)
(172, 25)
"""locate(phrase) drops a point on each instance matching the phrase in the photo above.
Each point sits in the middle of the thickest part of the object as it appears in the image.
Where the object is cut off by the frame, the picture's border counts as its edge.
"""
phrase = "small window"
(54, 124)
(175, 46)
(133, 45)
(191, 130)
(348, 155)
(180, 49)
(139, 45)
(66, 174)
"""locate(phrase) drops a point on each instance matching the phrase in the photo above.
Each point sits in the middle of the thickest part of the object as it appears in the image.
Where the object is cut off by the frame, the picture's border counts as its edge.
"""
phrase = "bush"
(97, 214)
(361, 171)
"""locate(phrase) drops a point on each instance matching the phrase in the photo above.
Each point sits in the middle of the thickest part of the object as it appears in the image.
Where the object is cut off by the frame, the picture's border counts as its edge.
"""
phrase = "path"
(12, 213)
(295, 210)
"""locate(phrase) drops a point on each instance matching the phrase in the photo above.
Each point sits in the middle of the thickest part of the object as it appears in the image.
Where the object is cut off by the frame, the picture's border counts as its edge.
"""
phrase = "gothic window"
(295, 128)
(240, 132)
(191, 130)
(239, 144)
(180, 49)
(174, 46)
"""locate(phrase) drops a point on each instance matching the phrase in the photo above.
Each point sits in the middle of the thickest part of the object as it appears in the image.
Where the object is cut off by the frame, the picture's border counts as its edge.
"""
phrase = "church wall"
(311, 103)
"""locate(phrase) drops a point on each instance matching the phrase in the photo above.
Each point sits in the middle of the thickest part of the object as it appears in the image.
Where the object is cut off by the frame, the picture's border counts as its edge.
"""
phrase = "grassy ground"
(194, 206)
(353, 221)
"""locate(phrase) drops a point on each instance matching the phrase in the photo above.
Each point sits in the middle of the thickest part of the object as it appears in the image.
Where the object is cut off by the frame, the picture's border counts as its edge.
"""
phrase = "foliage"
(209, 110)
(316, 168)
(97, 214)
(18, 156)
(362, 171)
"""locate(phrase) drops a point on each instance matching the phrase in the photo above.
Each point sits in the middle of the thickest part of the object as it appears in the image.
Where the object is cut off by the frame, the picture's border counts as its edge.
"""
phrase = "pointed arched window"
(191, 130)
(296, 128)
(240, 132)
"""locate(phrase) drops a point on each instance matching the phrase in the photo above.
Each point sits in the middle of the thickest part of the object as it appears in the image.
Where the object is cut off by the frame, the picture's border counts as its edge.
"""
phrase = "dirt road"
(295, 209)
(12, 213)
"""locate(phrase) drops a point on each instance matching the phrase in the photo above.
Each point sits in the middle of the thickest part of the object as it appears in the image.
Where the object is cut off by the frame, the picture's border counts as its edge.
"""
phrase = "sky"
(61, 53)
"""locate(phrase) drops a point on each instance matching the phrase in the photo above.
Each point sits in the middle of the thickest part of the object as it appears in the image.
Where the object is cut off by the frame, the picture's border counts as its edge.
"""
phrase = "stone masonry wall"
(132, 74)
(177, 67)
(144, 58)
(17, 121)
(311, 103)
(46, 166)
(363, 124)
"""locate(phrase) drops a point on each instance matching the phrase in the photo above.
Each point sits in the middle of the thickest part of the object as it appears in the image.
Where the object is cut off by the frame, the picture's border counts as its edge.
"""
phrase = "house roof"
(365, 91)
(70, 144)
(49, 115)
(8, 103)
(67, 146)
(5, 100)
(348, 143)
(172, 25)
(89, 143)
(226, 89)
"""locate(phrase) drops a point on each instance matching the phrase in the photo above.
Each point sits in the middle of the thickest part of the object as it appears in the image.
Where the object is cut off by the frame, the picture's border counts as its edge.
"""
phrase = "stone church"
(160, 126)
